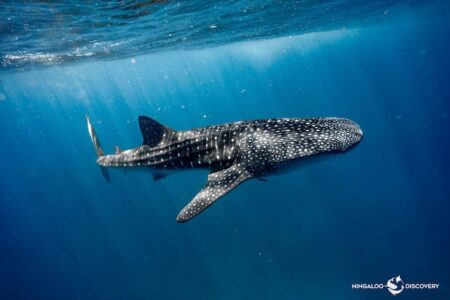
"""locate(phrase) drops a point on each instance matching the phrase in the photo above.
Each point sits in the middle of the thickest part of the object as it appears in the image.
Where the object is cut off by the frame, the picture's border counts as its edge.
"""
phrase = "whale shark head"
(345, 134)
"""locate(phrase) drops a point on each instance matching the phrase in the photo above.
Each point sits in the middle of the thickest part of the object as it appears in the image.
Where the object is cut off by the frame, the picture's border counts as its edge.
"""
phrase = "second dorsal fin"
(153, 132)
(117, 150)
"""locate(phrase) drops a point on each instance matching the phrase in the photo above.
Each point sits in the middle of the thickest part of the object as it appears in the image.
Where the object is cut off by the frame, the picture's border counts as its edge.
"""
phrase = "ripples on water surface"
(42, 32)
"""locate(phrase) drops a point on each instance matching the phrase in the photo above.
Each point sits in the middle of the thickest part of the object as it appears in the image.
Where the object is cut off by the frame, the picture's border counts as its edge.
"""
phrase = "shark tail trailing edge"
(94, 139)
(98, 147)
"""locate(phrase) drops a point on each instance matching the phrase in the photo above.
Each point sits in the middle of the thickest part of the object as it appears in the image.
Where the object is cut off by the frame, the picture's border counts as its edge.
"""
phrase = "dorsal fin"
(117, 150)
(153, 132)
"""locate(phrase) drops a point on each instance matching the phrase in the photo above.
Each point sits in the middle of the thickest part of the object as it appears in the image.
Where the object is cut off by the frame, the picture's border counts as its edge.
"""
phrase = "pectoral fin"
(219, 183)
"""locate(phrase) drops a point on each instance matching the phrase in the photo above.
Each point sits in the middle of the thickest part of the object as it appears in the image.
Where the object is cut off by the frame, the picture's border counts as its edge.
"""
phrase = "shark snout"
(353, 134)
(346, 133)
(357, 131)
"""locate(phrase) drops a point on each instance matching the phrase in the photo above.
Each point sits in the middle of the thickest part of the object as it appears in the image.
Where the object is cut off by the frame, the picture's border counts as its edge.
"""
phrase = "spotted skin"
(233, 152)
(219, 183)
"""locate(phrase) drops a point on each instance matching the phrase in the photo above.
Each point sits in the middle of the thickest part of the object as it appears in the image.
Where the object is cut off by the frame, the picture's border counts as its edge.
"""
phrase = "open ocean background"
(378, 211)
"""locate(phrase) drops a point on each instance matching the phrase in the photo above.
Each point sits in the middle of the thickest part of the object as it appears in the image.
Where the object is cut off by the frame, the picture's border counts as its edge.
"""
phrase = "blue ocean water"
(378, 211)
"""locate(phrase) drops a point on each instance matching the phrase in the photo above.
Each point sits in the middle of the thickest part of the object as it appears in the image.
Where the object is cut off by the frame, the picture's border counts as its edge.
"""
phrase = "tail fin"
(94, 139)
(98, 147)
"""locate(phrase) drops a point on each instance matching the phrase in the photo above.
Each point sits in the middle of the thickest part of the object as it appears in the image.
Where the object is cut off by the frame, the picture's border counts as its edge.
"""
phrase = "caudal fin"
(98, 147)
(94, 139)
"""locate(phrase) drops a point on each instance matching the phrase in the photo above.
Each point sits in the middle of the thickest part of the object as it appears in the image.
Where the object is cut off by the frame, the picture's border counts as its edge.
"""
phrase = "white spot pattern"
(234, 152)
(219, 183)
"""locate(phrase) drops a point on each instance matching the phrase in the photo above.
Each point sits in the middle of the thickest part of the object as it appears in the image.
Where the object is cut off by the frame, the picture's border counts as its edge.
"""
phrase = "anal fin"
(219, 183)
(159, 175)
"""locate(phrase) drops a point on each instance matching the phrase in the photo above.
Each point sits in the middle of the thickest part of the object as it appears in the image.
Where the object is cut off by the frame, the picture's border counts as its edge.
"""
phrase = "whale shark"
(232, 152)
